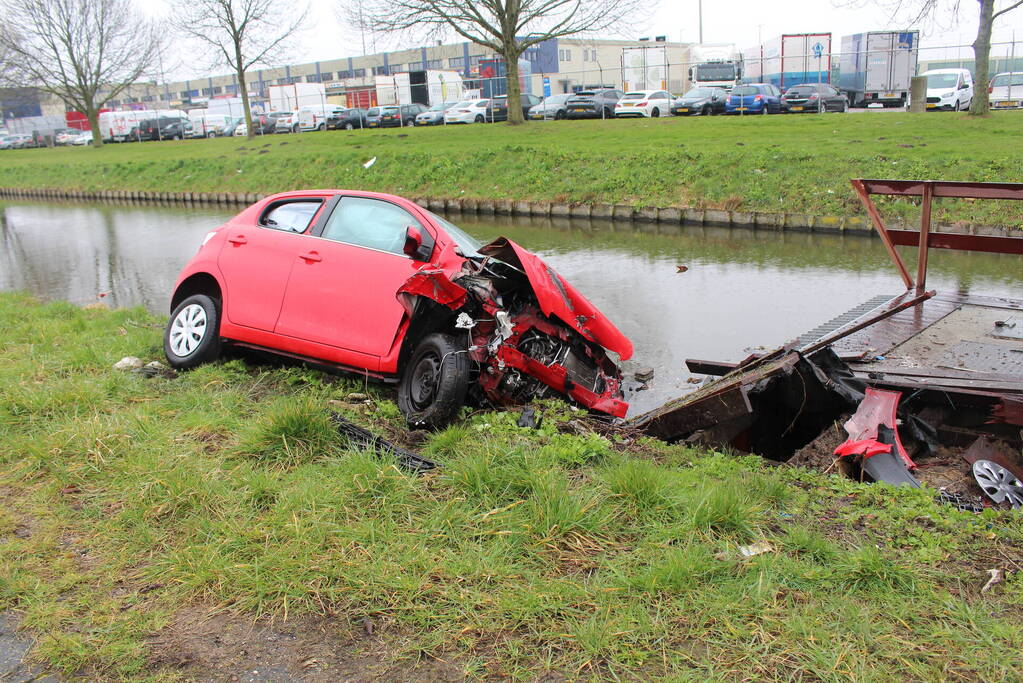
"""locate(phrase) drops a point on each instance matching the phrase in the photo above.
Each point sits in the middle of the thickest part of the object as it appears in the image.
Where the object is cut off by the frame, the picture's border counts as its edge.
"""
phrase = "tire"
(192, 336)
(349, 126)
(956, 107)
(765, 111)
(434, 382)
(706, 111)
(559, 115)
(479, 118)
(608, 114)
(322, 126)
(655, 113)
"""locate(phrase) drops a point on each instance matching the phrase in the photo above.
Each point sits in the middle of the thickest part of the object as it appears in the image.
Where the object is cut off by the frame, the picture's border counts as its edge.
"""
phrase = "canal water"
(741, 291)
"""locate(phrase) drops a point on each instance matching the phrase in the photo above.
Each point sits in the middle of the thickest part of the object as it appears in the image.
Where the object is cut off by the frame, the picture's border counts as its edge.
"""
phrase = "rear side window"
(294, 216)
(371, 223)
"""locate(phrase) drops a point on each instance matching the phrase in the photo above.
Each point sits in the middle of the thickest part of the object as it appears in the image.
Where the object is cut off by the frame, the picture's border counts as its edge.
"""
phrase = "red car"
(375, 284)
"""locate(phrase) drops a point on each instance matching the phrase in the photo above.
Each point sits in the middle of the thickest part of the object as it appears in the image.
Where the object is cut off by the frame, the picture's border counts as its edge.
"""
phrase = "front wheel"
(322, 126)
(764, 110)
(705, 111)
(434, 382)
(349, 126)
(192, 336)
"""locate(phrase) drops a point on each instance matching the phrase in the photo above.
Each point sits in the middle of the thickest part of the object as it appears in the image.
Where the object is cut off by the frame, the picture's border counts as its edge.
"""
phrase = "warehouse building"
(555, 66)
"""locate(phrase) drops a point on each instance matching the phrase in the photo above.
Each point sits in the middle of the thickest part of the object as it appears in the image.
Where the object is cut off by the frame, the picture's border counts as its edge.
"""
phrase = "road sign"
(546, 87)
(818, 50)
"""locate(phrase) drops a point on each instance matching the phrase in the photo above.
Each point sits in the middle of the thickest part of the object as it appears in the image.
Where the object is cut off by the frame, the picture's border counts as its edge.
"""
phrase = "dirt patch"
(819, 454)
(232, 648)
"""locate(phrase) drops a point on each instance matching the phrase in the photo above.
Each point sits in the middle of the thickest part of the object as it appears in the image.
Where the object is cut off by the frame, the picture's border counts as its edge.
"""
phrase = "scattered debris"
(681, 269)
(962, 502)
(995, 576)
(128, 363)
(359, 438)
(370, 163)
(644, 374)
(356, 397)
(998, 483)
(529, 418)
(752, 550)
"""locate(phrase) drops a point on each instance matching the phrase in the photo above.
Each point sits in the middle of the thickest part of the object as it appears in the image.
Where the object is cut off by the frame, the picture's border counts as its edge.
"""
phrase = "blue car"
(754, 98)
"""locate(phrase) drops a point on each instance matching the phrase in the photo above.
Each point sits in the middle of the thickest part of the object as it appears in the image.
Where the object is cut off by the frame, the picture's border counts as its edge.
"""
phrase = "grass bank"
(130, 503)
(798, 164)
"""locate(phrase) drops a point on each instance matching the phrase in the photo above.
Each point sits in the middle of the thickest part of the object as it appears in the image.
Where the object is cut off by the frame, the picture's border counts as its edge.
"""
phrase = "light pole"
(699, 6)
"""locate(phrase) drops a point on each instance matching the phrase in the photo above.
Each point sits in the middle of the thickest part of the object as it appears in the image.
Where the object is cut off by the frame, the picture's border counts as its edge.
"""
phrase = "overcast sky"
(327, 38)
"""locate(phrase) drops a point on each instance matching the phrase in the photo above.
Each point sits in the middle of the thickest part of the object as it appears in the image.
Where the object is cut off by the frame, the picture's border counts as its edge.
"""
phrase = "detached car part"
(998, 483)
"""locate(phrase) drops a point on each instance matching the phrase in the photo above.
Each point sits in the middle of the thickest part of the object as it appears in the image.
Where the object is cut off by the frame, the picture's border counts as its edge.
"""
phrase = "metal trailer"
(876, 67)
(788, 60)
(426, 87)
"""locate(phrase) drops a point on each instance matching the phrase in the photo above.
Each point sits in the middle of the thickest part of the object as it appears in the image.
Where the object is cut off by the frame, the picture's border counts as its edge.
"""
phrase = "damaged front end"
(529, 334)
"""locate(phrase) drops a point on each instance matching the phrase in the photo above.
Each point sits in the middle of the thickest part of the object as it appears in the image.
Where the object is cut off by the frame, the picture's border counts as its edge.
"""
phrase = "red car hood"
(557, 297)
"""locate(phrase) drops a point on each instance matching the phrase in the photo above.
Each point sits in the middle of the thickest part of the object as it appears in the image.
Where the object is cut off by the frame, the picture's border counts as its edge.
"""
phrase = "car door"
(256, 260)
(343, 287)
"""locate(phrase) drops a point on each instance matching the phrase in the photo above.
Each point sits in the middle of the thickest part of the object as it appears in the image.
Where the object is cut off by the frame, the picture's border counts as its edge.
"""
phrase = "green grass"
(797, 164)
(125, 501)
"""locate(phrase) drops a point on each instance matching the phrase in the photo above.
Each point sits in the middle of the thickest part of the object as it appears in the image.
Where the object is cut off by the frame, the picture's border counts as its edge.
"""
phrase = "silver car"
(551, 109)
(1007, 90)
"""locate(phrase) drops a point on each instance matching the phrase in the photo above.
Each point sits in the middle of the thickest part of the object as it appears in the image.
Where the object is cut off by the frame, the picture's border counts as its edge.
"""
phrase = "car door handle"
(238, 239)
(311, 256)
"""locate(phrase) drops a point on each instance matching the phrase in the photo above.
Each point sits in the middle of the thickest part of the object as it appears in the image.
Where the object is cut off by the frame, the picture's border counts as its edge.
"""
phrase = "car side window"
(290, 216)
(371, 223)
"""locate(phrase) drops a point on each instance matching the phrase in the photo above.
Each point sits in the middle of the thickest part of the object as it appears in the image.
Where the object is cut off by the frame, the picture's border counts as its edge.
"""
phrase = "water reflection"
(741, 288)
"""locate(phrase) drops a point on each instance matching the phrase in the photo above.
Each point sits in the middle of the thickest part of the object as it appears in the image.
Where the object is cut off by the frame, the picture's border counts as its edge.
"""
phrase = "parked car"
(83, 138)
(314, 117)
(393, 115)
(813, 98)
(497, 110)
(1006, 90)
(347, 119)
(467, 111)
(700, 102)
(593, 104)
(21, 142)
(164, 128)
(209, 125)
(754, 98)
(64, 136)
(231, 128)
(434, 116)
(285, 121)
(550, 108)
(374, 284)
(643, 103)
(949, 89)
(8, 141)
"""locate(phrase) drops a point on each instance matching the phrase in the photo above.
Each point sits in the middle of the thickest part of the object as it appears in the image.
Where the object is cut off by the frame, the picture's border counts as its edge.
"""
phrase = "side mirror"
(414, 246)
(964, 86)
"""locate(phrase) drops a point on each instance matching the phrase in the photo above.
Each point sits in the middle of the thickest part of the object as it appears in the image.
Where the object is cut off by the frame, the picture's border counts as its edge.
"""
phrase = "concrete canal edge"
(754, 220)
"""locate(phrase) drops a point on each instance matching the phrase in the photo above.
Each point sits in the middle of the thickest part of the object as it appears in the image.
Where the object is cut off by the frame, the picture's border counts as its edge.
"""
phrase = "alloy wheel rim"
(998, 483)
(188, 330)
(425, 378)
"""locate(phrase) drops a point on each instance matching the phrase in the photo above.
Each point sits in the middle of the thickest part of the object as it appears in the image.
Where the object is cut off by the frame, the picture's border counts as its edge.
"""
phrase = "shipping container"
(788, 60)
(877, 67)
(294, 96)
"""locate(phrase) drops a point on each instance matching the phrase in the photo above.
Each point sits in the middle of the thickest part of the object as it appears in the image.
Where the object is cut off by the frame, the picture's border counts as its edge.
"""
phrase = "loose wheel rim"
(998, 483)
(424, 381)
(188, 330)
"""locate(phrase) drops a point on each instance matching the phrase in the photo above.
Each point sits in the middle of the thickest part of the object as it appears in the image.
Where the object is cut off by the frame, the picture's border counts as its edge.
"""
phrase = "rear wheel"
(349, 126)
(559, 115)
(192, 336)
(608, 114)
(322, 126)
(479, 118)
(434, 382)
(765, 109)
(655, 113)
(705, 111)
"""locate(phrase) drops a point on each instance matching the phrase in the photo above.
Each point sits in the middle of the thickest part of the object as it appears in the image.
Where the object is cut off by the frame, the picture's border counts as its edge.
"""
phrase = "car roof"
(944, 71)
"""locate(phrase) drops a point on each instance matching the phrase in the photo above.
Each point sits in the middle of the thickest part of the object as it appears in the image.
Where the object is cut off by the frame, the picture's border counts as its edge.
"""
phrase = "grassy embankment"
(127, 502)
(798, 164)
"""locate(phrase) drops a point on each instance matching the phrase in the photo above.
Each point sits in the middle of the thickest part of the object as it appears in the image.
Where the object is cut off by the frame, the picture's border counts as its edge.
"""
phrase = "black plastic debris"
(961, 501)
(529, 418)
(361, 439)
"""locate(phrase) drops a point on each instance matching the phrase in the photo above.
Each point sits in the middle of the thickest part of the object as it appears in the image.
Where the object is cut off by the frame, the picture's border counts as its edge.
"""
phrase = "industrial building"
(567, 64)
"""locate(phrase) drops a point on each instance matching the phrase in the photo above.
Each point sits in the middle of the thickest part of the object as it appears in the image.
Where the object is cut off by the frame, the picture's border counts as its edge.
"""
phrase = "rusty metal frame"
(925, 239)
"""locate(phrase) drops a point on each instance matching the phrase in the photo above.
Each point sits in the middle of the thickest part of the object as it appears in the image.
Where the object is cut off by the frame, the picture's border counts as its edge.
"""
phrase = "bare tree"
(918, 11)
(508, 27)
(243, 33)
(85, 52)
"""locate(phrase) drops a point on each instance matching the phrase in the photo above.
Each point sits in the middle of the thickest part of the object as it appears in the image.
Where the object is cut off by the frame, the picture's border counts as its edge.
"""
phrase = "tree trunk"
(92, 114)
(511, 62)
(981, 54)
(244, 90)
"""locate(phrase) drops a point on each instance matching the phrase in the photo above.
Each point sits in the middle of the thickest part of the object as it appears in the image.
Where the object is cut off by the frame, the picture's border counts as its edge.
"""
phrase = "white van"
(208, 125)
(949, 89)
(314, 116)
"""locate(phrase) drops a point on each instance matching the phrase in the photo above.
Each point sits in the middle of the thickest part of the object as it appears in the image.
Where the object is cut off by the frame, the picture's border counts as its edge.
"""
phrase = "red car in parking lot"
(375, 284)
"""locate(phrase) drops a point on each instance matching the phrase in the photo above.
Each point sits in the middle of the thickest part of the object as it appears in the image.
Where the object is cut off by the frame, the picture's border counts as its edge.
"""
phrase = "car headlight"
(948, 94)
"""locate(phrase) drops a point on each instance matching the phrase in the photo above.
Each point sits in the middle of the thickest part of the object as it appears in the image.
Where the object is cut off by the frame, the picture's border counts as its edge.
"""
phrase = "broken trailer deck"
(955, 359)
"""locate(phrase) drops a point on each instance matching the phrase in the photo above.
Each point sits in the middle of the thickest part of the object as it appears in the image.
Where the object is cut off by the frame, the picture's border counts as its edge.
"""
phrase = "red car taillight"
(642, 104)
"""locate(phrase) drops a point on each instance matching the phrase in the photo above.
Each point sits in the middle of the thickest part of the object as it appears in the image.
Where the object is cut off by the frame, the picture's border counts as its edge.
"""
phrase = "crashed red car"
(375, 284)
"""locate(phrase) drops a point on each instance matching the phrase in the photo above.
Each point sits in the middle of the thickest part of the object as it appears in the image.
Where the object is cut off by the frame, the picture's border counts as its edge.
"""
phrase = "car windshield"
(942, 80)
(698, 93)
(374, 111)
(467, 244)
(557, 99)
(746, 90)
(1005, 80)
